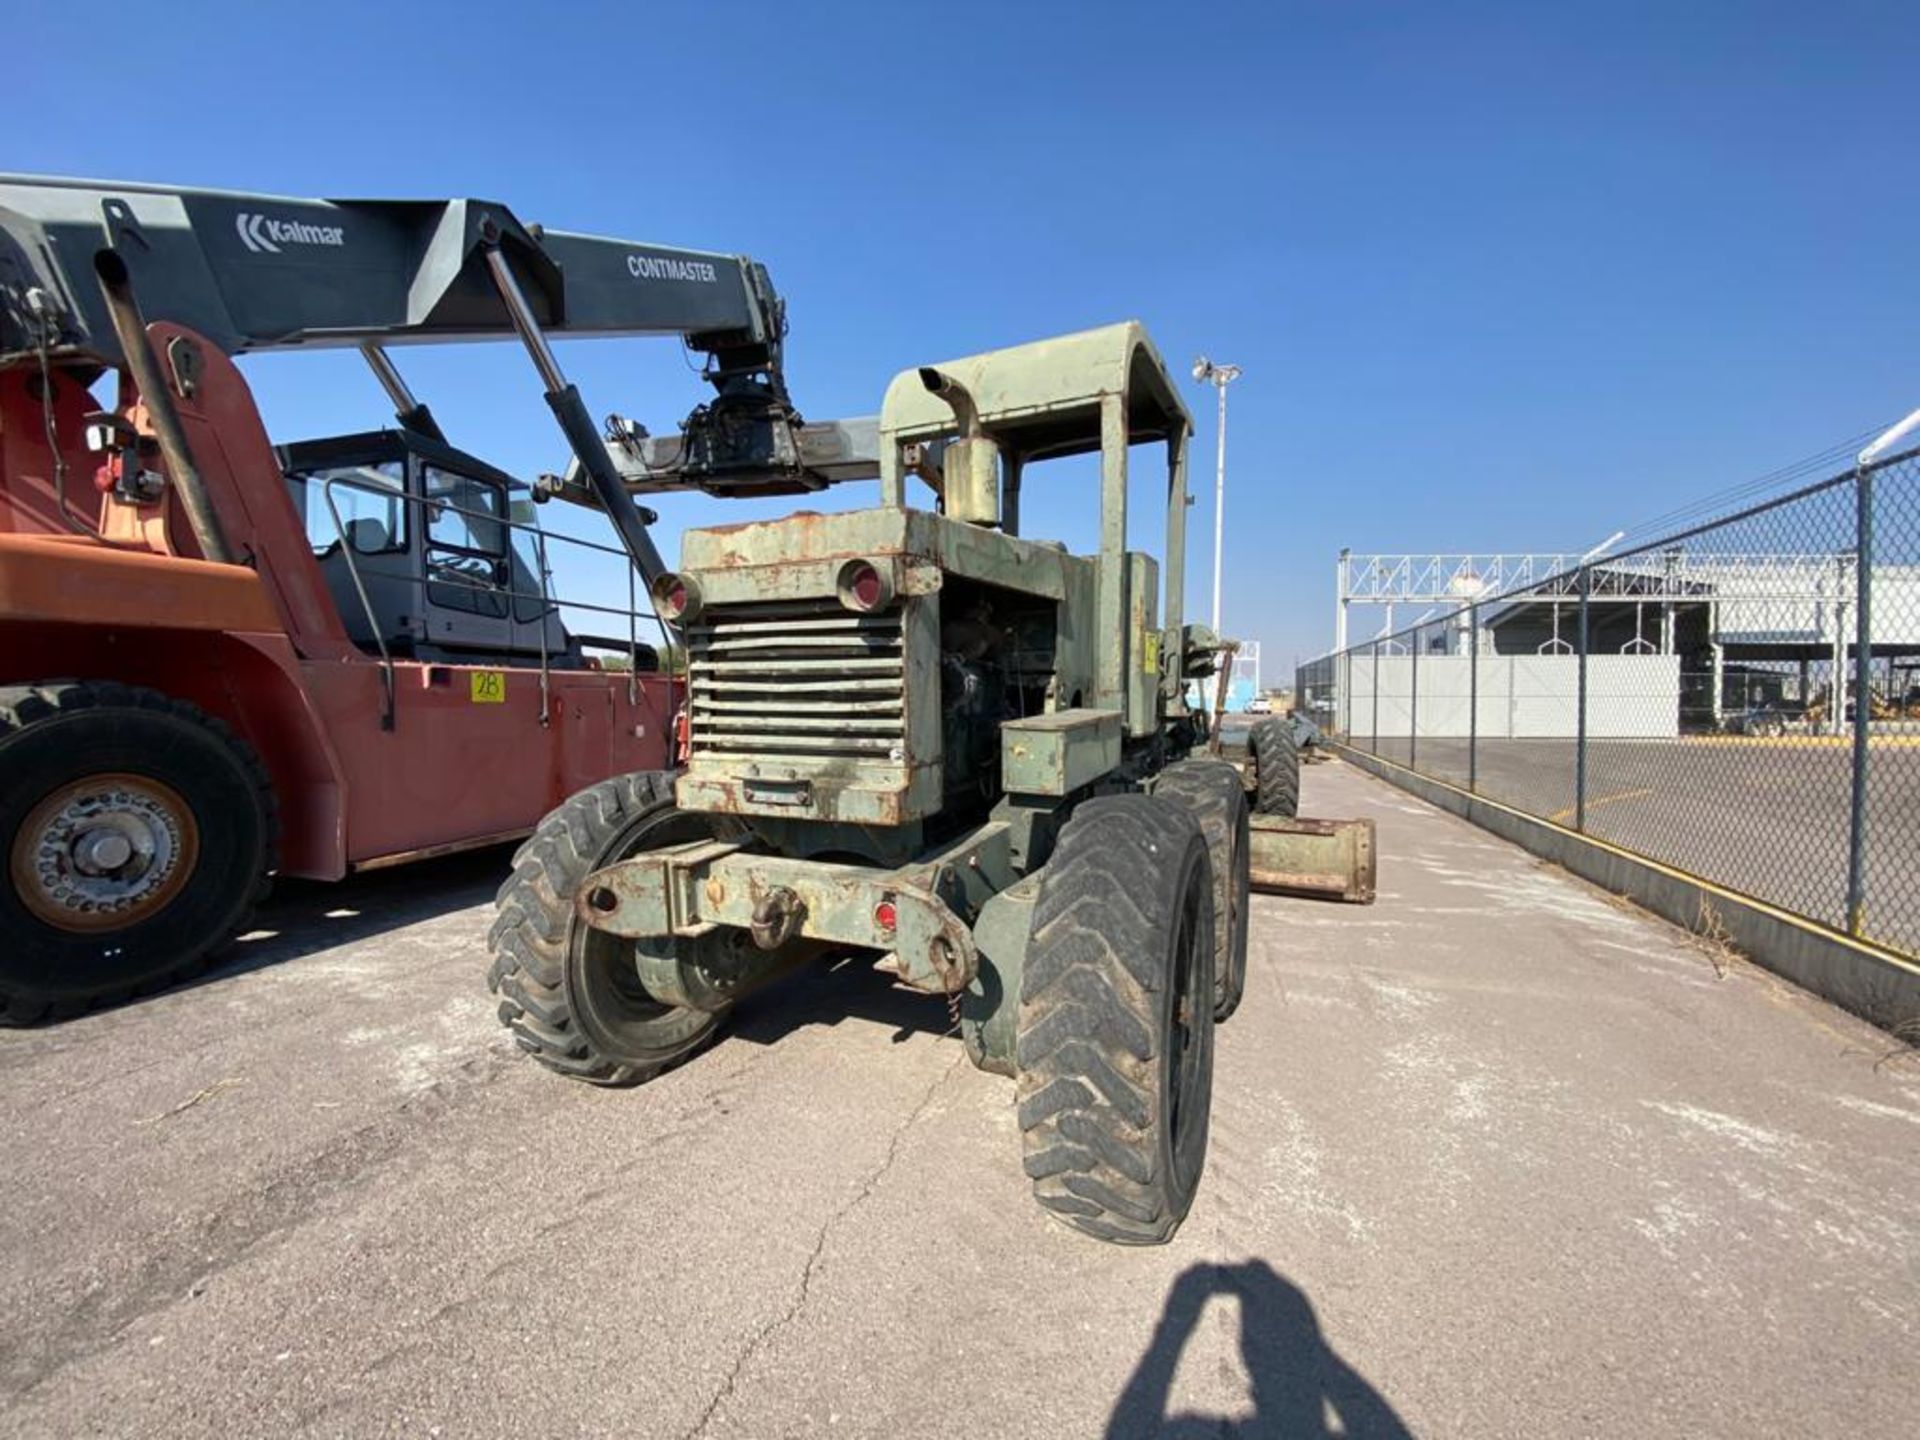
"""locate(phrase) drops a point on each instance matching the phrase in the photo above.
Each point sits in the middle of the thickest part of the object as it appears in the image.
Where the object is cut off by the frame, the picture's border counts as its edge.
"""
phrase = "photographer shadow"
(1298, 1382)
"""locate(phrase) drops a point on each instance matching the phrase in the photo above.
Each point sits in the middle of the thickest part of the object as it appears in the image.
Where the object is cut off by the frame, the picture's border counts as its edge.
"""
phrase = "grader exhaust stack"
(970, 465)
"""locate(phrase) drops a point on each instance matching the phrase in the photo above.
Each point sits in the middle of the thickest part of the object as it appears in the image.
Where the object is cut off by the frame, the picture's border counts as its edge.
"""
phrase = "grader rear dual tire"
(1115, 1042)
(137, 834)
(1276, 768)
(569, 993)
(1211, 792)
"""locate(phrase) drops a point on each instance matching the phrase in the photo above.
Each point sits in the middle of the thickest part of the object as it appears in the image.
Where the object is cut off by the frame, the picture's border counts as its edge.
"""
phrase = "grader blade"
(1332, 859)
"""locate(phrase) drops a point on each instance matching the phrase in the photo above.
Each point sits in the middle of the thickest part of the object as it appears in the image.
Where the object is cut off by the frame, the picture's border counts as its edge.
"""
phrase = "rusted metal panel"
(802, 709)
(1056, 754)
(1174, 562)
(926, 746)
(1330, 858)
(1143, 645)
(801, 555)
(990, 1010)
(822, 790)
(967, 872)
(1026, 383)
(798, 555)
(1076, 653)
(1113, 636)
(688, 890)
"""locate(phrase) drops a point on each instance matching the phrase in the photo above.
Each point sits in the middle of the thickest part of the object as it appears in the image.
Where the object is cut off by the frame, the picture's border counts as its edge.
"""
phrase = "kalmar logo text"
(265, 237)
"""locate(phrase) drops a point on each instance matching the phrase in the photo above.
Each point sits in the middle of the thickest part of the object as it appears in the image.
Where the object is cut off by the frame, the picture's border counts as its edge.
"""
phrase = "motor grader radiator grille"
(800, 679)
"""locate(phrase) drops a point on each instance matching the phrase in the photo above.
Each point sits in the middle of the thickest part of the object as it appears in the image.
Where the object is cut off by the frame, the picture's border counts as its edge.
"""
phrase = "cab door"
(468, 574)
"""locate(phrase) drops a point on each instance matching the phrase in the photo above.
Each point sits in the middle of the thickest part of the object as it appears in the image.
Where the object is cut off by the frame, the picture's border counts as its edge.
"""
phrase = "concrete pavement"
(1495, 1156)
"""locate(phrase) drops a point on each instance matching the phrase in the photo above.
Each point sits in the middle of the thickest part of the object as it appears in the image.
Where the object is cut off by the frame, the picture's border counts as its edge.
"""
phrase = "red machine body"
(474, 754)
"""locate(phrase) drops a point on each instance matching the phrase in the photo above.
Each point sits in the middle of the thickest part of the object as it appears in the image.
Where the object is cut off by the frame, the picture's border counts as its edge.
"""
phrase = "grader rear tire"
(1115, 1039)
(569, 993)
(1276, 768)
(1211, 792)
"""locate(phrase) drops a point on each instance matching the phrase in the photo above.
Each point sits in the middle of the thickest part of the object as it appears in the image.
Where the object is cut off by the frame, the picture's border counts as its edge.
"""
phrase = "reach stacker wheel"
(138, 834)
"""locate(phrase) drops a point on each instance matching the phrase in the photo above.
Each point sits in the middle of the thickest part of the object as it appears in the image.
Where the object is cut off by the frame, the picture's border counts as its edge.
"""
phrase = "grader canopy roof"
(1037, 399)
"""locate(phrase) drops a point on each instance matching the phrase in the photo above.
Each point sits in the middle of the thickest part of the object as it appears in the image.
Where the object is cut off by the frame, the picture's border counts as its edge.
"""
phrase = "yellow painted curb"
(1805, 742)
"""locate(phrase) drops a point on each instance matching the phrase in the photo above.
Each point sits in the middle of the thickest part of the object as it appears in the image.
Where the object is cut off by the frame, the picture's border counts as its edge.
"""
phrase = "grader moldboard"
(969, 753)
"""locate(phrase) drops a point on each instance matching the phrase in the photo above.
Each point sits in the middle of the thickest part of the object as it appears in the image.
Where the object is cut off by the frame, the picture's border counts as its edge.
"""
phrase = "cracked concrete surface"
(1495, 1156)
(805, 1287)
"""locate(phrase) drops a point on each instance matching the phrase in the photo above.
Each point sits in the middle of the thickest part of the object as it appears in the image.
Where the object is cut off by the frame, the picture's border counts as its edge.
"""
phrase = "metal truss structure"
(1453, 581)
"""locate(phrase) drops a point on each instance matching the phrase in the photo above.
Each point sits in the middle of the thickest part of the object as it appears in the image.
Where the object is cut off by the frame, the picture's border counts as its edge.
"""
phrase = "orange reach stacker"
(221, 658)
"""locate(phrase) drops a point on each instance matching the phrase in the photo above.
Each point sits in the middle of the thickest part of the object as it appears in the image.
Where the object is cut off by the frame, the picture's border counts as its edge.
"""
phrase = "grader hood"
(815, 656)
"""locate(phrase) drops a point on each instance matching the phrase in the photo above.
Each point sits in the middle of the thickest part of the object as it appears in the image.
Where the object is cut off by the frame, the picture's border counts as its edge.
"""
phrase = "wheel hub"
(104, 852)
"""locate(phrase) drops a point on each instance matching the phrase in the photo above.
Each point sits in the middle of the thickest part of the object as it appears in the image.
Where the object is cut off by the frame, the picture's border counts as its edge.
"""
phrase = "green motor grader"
(919, 734)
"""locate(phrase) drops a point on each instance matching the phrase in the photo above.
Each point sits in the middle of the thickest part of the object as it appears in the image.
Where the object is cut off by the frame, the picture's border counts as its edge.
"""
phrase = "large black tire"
(1211, 792)
(1115, 1042)
(137, 833)
(570, 993)
(1276, 768)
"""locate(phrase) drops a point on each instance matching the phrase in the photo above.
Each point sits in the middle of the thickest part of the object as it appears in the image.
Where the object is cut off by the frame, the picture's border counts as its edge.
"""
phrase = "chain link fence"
(1739, 701)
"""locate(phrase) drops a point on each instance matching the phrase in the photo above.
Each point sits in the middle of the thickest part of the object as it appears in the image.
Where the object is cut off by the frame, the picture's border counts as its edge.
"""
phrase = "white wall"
(1521, 697)
(1795, 605)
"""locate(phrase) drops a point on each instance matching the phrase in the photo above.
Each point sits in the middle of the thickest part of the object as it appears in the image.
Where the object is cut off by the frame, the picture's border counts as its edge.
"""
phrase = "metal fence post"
(1580, 743)
(1862, 699)
(1346, 696)
(1413, 708)
(1373, 743)
(1473, 699)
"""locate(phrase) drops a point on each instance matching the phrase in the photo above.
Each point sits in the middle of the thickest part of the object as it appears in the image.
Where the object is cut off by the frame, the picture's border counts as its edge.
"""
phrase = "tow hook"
(776, 919)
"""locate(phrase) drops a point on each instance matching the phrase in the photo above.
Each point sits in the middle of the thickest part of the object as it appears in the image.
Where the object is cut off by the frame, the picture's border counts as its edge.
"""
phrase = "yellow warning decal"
(1150, 653)
(489, 687)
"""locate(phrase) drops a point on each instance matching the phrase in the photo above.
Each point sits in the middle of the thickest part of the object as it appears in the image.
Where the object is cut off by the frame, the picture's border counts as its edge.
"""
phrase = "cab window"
(466, 543)
(465, 514)
(370, 501)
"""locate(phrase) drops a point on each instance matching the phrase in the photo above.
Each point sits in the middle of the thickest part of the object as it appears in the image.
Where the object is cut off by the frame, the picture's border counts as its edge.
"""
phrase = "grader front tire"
(1116, 1013)
(569, 993)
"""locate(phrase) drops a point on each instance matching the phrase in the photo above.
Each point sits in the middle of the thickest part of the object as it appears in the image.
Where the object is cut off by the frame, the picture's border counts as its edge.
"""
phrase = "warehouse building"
(1676, 642)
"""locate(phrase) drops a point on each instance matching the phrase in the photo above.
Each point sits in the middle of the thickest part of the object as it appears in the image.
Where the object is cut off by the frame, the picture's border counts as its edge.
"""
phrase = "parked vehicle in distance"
(1768, 721)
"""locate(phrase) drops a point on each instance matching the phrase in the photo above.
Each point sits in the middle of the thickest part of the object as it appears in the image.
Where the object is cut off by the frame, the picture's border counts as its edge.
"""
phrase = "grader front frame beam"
(917, 913)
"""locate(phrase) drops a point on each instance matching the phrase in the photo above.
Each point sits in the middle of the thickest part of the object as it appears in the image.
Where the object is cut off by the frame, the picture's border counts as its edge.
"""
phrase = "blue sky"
(1500, 276)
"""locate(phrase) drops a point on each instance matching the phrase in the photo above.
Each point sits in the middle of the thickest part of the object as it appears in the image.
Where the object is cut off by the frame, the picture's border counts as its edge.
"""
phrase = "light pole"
(1220, 376)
